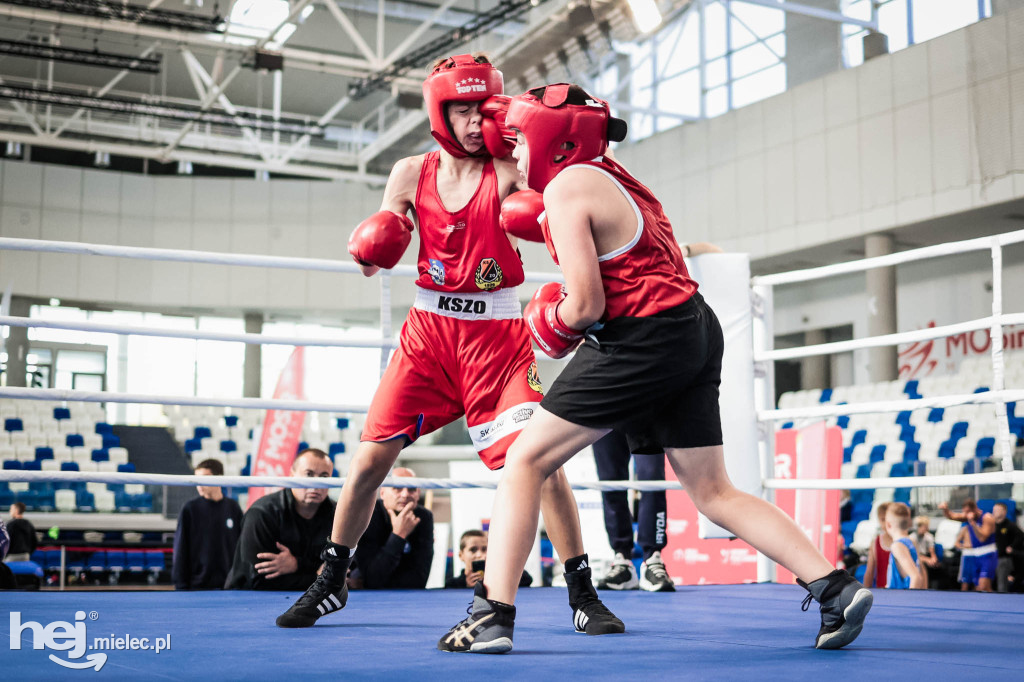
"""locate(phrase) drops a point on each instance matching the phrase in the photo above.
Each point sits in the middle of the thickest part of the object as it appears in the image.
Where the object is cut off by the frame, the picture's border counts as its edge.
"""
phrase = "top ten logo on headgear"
(470, 85)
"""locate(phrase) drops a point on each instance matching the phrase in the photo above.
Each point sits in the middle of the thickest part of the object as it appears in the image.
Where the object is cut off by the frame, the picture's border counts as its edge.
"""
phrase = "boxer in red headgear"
(648, 365)
(464, 349)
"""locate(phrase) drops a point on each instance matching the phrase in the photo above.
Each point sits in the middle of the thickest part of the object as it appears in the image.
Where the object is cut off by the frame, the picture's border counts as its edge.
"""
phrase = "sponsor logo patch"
(436, 271)
(461, 305)
(533, 379)
(489, 275)
(522, 415)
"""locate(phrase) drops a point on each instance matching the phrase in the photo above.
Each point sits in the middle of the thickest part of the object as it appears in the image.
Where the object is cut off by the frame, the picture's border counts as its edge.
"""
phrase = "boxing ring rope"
(765, 356)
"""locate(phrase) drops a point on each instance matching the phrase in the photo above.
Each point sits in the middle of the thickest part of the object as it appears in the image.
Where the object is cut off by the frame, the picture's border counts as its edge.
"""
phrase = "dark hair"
(20, 506)
(215, 466)
(316, 452)
(473, 533)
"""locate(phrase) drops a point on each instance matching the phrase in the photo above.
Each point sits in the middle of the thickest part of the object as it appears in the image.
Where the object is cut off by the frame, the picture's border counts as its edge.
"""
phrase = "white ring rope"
(62, 394)
(199, 335)
(888, 339)
(15, 475)
(216, 258)
(836, 410)
(948, 249)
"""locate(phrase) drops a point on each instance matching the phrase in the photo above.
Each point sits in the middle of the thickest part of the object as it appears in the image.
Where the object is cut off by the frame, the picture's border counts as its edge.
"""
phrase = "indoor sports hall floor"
(748, 632)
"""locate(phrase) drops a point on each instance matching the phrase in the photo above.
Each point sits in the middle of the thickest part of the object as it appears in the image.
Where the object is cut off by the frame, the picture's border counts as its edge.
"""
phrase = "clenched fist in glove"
(546, 327)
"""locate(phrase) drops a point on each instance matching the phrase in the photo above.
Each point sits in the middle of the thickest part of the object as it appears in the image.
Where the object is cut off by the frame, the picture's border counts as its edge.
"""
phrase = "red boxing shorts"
(459, 354)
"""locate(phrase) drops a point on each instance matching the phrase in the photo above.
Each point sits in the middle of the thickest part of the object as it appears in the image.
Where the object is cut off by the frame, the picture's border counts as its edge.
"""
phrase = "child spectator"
(904, 570)
(472, 554)
(925, 543)
(878, 555)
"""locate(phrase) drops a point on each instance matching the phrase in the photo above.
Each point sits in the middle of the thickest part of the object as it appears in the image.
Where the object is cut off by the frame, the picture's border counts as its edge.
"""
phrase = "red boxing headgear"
(559, 134)
(458, 79)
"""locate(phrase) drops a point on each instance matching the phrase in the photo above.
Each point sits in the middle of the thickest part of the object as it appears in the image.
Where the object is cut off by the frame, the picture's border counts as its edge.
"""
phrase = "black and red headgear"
(458, 79)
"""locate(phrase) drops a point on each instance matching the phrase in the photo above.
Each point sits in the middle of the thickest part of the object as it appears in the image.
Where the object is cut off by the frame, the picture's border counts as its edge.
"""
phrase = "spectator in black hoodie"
(208, 530)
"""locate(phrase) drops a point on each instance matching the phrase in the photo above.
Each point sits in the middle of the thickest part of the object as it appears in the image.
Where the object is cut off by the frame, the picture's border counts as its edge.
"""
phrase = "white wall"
(932, 130)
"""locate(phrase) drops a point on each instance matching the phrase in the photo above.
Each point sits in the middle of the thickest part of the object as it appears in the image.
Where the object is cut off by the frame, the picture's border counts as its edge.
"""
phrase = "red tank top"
(647, 275)
(881, 564)
(464, 250)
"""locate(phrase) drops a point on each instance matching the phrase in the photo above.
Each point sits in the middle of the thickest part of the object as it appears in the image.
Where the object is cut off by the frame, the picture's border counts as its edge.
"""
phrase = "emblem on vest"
(488, 274)
(461, 305)
(460, 225)
(436, 271)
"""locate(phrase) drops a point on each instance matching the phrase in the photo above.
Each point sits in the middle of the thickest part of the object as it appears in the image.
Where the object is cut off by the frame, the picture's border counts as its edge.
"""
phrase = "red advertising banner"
(281, 428)
(814, 452)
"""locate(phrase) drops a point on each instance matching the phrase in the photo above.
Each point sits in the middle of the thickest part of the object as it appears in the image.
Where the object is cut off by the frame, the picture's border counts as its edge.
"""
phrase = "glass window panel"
(892, 21)
(716, 73)
(714, 24)
(751, 59)
(933, 19)
(681, 95)
(764, 20)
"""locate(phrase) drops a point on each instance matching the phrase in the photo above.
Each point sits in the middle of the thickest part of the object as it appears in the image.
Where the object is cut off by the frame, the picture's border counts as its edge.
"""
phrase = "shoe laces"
(658, 569)
(593, 606)
(807, 602)
(315, 593)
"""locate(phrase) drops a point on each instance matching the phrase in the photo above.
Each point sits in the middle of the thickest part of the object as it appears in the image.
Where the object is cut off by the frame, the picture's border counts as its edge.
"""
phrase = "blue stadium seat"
(877, 453)
(986, 446)
(903, 418)
(31, 466)
(47, 501)
(100, 455)
(947, 449)
(104, 428)
(127, 468)
(116, 560)
(859, 436)
(143, 502)
(12, 464)
(75, 562)
(61, 413)
(303, 445)
(936, 414)
(155, 561)
(74, 440)
(135, 561)
(231, 420)
(123, 502)
(958, 431)
(13, 424)
(902, 495)
(85, 501)
(826, 395)
(111, 441)
(97, 562)
(908, 432)
(193, 445)
(787, 425)
(912, 452)
(864, 471)
(51, 560)
(911, 389)
(843, 422)
(67, 485)
(44, 453)
(6, 497)
(982, 389)
(341, 422)
(202, 432)
(335, 449)
(228, 446)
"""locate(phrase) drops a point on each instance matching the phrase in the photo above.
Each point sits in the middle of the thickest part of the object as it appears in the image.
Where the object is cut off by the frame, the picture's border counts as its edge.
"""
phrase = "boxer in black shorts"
(649, 366)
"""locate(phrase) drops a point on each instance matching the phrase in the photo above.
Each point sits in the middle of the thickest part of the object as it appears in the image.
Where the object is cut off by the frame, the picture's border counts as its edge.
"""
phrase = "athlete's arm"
(984, 530)
(569, 217)
(509, 182)
(399, 194)
(905, 564)
(869, 570)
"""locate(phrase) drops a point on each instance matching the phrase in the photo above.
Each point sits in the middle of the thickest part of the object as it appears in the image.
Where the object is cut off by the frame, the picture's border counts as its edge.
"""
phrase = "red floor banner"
(281, 428)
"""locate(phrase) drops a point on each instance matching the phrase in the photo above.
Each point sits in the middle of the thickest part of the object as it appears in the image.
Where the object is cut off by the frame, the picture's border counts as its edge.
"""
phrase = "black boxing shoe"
(589, 614)
(844, 606)
(327, 594)
(487, 630)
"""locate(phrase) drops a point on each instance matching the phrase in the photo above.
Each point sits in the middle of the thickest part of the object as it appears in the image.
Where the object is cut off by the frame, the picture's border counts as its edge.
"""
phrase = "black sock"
(577, 563)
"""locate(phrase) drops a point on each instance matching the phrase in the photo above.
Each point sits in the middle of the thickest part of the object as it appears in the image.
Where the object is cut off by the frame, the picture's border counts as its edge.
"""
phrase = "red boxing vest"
(464, 250)
(647, 275)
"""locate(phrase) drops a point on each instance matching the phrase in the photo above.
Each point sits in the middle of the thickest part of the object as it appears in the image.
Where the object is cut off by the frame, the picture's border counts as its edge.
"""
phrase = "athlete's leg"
(369, 467)
(701, 471)
(542, 447)
(561, 516)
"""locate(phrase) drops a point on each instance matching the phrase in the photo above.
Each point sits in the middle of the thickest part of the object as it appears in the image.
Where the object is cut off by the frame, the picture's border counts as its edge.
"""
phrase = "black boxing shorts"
(654, 379)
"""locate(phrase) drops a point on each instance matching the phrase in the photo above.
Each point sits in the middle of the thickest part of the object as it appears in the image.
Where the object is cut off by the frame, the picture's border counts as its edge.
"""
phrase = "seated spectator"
(877, 570)
(904, 570)
(208, 530)
(284, 532)
(473, 554)
(23, 534)
(7, 579)
(397, 548)
(1009, 548)
(924, 541)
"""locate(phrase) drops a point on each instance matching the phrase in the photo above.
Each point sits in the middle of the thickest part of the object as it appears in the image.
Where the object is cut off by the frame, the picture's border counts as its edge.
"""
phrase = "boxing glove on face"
(498, 138)
(521, 214)
(381, 239)
(546, 327)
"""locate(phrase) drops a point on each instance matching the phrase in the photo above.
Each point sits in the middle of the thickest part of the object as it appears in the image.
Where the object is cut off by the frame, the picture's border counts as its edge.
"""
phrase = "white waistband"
(978, 551)
(502, 304)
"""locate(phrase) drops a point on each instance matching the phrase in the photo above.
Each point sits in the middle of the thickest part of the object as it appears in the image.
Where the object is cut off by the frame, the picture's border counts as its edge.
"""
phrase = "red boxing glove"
(521, 214)
(546, 327)
(381, 239)
(499, 140)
